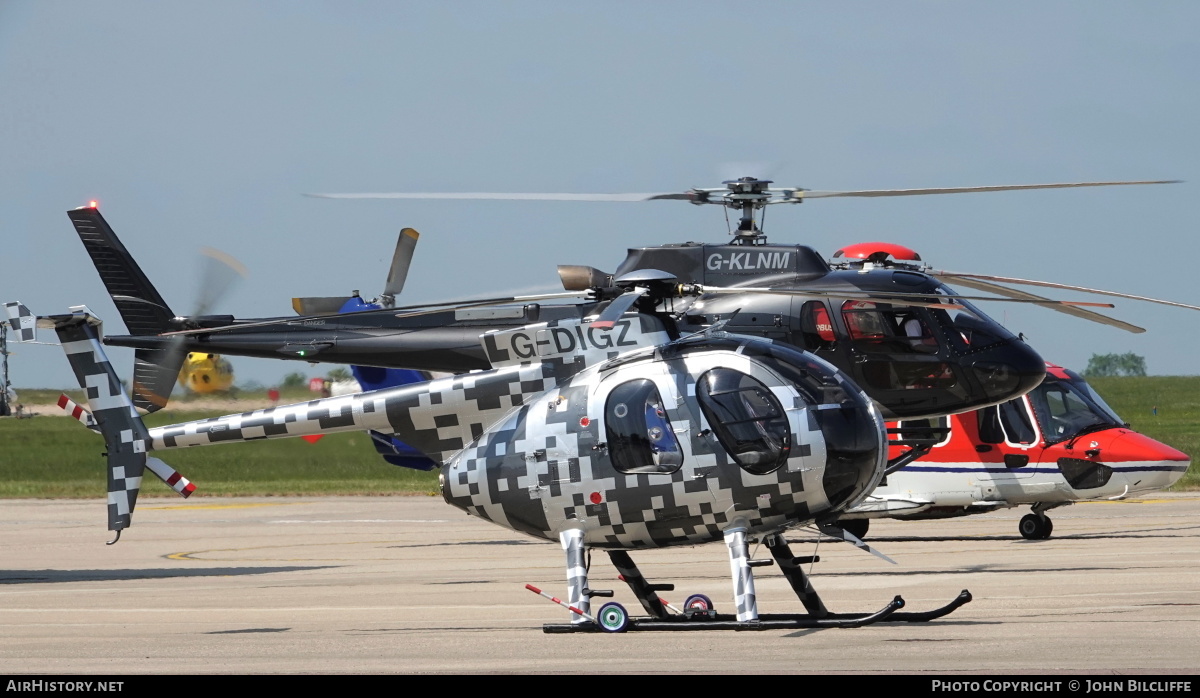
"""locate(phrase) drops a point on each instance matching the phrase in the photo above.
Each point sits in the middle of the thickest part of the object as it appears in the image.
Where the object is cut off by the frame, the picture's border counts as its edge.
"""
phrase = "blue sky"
(201, 124)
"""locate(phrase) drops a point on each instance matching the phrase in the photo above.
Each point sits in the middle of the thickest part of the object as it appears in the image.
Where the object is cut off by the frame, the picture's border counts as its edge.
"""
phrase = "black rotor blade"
(399, 312)
(500, 196)
(1048, 284)
(467, 305)
(921, 300)
(807, 194)
(1077, 312)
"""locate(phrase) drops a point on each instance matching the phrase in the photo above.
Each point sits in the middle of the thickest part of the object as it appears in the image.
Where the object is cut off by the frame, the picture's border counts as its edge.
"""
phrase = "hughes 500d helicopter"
(633, 439)
(1058, 444)
(930, 351)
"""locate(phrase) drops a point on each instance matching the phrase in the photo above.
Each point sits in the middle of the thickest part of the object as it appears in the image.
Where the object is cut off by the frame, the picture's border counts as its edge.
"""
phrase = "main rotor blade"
(422, 309)
(616, 308)
(808, 194)
(1065, 287)
(1069, 310)
(912, 299)
(500, 196)
(793, 195)
(488, 302)
(920, 300)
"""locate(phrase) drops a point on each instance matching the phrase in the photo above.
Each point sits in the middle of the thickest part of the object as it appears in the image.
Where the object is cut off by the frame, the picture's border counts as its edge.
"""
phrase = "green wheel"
(613, 618)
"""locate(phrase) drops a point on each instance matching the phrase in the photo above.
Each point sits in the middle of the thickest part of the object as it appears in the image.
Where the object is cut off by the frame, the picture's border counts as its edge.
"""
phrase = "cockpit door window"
(1009, 422)
(746, 418)
(640, 437)
(816, 327)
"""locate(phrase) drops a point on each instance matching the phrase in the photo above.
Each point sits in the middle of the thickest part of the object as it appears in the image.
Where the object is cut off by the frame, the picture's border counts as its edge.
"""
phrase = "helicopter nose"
(1009, 371)
(1147, 464)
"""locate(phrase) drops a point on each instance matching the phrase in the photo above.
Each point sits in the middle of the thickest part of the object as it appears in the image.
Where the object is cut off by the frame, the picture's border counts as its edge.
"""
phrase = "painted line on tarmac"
(196, 507)
(335, 521)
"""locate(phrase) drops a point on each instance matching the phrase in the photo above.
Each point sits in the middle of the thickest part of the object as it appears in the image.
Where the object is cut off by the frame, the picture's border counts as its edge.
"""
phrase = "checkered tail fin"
(125, 435)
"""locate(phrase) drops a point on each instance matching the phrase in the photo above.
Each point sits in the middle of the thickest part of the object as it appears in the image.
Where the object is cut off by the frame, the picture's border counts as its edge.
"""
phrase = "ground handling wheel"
(612, 618)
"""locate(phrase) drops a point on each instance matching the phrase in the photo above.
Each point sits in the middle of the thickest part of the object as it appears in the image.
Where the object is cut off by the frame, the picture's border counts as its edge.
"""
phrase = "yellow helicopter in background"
(206, 373)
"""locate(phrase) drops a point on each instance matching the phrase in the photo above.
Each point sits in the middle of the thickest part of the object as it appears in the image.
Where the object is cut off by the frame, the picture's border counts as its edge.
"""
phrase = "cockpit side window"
(884, 328)
(746, 418)
(1007, 422)
(640, 439)
(989, 425)
(1017, 424)
(929, 432)
(816, 327)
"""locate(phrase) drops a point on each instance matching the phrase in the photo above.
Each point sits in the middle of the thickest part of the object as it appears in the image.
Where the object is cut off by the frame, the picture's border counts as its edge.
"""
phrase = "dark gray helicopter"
(914, 345)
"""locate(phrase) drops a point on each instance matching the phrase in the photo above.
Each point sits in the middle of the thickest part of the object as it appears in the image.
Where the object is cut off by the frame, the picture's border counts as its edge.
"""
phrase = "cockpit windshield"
(1078, 381)
(1067, 409)
(972, 328)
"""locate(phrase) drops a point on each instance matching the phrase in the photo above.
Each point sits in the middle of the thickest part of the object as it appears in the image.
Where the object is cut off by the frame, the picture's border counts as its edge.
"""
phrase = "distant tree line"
(1128, 364)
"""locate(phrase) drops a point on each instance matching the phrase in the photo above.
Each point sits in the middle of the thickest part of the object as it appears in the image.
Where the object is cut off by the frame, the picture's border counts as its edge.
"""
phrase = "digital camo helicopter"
(927, 351)
(638, 443)
(1058, 444)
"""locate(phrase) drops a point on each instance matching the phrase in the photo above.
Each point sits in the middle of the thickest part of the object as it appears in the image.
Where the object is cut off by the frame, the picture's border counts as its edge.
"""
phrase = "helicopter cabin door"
(643, 437)
(1008, 440)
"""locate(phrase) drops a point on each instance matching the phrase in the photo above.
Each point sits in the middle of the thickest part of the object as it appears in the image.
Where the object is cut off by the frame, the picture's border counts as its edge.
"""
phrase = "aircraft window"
(908, 375)
(882, 328)
(1084, 387)
(1007, 422)
(1018, 426)
(746, 418)
(969, 328)
(816, 327)
(990, 431)
(640, 438)
(934, 432)
(816, 380)
(1065, 412)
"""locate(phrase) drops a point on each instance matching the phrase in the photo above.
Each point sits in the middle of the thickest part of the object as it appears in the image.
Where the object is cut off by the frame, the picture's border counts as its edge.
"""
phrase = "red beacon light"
(93, 203)
(878, 252)
(869, 254)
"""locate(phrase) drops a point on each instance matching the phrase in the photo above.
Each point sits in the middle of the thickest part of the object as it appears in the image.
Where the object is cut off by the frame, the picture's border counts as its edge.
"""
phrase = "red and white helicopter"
(1058, 444)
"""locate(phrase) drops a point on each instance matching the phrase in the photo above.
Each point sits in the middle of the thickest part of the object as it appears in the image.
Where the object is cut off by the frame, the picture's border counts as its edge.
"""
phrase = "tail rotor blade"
(219, 272)
(406, 244)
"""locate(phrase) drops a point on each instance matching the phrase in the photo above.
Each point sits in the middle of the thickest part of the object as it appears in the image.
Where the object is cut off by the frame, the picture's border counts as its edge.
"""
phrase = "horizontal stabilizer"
(75, 410)
(22, 322)
(171, 477)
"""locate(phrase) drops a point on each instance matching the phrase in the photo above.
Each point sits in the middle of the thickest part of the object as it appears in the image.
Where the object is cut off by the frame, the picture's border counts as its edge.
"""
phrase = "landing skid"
(770, 621)
(698, 613)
